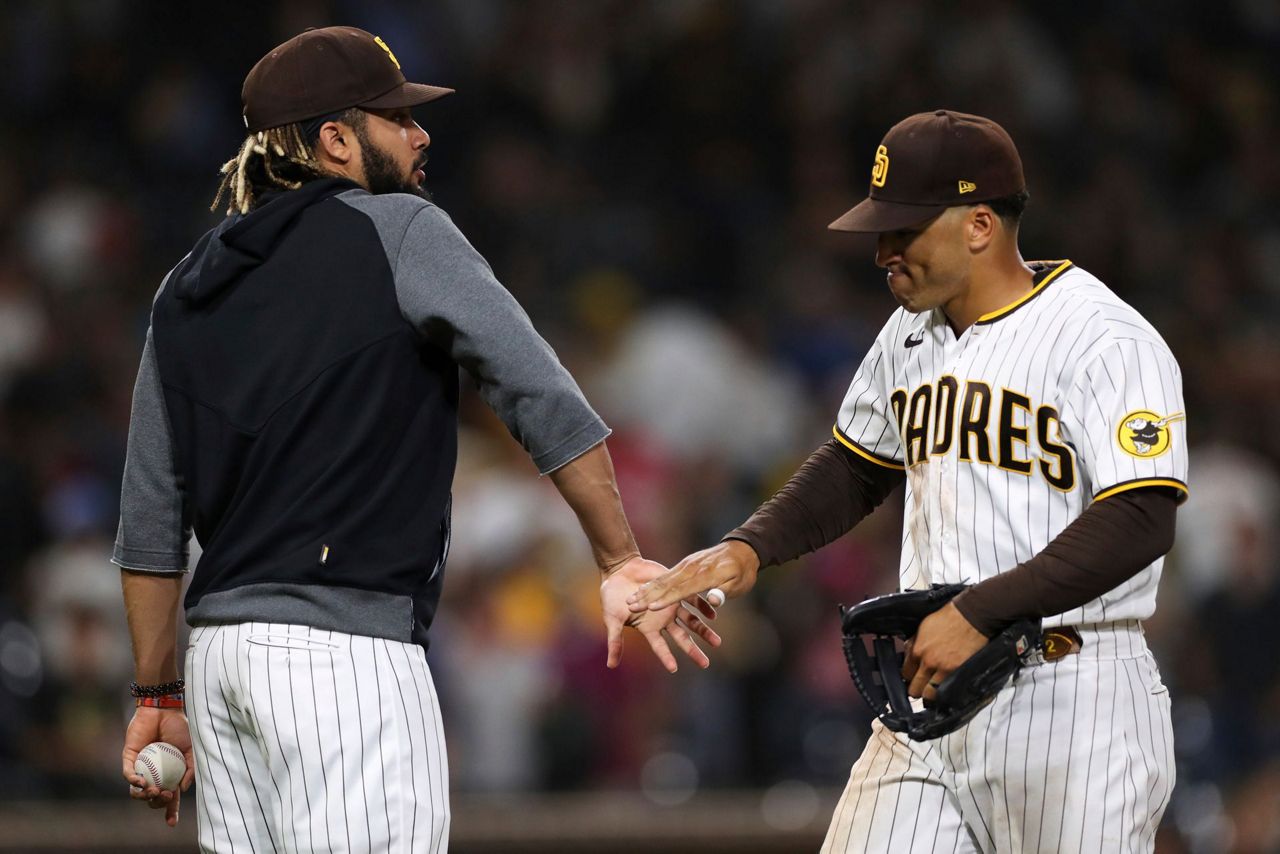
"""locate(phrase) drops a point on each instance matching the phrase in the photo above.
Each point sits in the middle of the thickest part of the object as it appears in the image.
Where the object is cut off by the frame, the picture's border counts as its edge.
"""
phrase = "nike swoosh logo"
(914, 342)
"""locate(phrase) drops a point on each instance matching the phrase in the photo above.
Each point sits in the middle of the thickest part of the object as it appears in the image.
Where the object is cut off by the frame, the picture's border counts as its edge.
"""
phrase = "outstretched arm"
(833, 491)
(450, 294)
(588, 485)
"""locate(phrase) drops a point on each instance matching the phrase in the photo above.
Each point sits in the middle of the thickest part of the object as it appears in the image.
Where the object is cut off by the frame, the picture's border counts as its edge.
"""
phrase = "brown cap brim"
(872, 216)
(407, 95)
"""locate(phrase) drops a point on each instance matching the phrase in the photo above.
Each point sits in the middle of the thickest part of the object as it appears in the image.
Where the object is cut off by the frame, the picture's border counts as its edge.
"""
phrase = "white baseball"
(161, 765)
(715, 596)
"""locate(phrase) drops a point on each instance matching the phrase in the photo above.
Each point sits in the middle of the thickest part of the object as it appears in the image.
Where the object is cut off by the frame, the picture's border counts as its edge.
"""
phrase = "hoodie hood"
(240, 243)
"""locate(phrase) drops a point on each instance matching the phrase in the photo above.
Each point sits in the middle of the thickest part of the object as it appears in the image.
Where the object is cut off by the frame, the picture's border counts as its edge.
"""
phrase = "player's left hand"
(944, 641)
(148, 725)
(679, 621)
(730, 566)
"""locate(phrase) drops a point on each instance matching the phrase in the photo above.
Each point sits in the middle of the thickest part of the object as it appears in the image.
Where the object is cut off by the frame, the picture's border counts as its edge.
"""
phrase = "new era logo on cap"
(967, 187)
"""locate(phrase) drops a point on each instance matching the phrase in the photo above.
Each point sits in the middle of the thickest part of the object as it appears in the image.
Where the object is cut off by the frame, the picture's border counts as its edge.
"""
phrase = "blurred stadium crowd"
(653, 181)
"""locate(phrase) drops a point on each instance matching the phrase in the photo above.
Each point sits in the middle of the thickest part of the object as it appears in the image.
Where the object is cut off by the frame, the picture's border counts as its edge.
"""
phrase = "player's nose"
(419, 137)
(886, 249)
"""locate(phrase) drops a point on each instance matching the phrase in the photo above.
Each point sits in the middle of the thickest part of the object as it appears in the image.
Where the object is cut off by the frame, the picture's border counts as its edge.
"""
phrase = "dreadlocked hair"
(279, 158)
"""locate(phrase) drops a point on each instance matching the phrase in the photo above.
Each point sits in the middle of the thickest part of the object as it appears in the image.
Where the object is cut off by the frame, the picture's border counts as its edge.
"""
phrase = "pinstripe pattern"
(1075, 347)
(1074, 756)
(871, 817)
(310, 740)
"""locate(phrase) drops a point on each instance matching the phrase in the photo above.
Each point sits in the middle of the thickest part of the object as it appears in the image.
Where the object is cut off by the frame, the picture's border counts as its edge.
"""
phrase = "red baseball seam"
(152, 770)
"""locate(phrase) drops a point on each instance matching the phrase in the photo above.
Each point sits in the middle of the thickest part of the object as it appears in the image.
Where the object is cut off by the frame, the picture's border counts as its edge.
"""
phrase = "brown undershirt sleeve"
(833, 491)
(1105, 546)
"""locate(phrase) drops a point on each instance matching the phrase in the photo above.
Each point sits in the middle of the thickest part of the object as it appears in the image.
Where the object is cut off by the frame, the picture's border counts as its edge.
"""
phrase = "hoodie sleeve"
(153, 536)
(449, 293)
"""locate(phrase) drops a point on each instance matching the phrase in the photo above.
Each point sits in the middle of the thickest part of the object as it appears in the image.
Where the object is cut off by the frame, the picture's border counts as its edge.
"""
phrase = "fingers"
(674, 589)
(682, 581)
(914, 671)
(694, 623)
(127, 758)
(171, 813)
(647, 594)
(721, 567)
(922, 680)
(659, 646)
(188, 778)
(678, 634)
(912, 662)
(154, 797)
(614, 630)
(930, 692)
(686, 583)
(707, 609)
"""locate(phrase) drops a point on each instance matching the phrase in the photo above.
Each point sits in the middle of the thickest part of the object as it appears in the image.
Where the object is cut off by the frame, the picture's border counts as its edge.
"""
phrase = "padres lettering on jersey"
(929, 419)
(1010, 430)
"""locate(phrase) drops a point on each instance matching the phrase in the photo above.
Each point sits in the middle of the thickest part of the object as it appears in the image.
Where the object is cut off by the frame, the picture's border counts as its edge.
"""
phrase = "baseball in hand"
(716, 597)
(161, 765)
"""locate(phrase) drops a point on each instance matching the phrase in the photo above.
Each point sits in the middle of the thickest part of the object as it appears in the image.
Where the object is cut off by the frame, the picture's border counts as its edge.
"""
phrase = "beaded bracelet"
(175, 687)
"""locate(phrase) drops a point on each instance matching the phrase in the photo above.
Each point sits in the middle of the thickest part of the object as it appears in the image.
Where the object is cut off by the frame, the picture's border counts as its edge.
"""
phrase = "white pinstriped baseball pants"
(1075, 756)
(310, 740)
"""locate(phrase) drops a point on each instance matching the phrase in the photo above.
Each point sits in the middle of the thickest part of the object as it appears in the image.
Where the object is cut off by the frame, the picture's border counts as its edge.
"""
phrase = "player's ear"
(334, 143)
(980, 227)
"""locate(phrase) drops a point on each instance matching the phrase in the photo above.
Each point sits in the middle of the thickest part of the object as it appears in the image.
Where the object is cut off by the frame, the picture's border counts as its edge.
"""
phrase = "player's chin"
(414, 188)
(912, 299)
(911, 302)
(901, 288)
(416, 184)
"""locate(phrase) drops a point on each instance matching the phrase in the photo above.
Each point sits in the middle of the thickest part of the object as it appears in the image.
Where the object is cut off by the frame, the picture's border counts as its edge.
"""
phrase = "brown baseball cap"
(322, 71)
(930, 162)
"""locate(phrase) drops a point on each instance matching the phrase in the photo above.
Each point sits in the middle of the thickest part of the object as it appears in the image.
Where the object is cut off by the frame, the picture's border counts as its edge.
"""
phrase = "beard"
(383, 176)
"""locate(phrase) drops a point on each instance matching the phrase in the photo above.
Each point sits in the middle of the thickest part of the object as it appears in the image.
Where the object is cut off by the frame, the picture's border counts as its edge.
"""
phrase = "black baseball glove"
(874, 632)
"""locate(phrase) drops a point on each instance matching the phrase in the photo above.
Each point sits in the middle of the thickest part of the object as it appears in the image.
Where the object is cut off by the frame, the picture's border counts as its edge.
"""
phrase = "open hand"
(679, 620)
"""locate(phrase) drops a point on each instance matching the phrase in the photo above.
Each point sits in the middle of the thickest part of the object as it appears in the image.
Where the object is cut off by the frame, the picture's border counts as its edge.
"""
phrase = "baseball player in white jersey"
(1037, 422)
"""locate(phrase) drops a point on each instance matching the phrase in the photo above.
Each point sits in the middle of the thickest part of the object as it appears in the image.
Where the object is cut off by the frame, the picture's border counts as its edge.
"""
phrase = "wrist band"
(168, 701)
(175, 687)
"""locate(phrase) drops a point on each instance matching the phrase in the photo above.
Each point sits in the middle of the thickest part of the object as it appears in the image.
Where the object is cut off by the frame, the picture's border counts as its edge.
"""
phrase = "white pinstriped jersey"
(1008, 432)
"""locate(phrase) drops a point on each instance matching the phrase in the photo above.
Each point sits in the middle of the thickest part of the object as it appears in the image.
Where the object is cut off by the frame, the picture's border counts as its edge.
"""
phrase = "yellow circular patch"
(1145, 434)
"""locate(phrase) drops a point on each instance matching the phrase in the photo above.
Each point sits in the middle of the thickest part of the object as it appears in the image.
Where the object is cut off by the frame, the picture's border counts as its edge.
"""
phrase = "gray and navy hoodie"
(297, 402)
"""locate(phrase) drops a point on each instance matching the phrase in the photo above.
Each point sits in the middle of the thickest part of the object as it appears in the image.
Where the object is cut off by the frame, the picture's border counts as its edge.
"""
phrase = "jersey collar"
(1044, 273)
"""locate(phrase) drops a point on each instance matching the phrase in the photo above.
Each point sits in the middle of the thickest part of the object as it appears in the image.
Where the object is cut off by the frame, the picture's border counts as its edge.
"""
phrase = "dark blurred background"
(653, 181)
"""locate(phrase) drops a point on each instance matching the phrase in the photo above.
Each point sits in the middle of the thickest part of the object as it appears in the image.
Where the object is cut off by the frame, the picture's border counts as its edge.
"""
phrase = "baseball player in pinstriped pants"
(296, 406)
(1038, 425)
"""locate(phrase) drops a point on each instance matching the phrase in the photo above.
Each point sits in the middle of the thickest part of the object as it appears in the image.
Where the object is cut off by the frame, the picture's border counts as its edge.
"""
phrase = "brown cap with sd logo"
(930, 162)
(326, 70)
